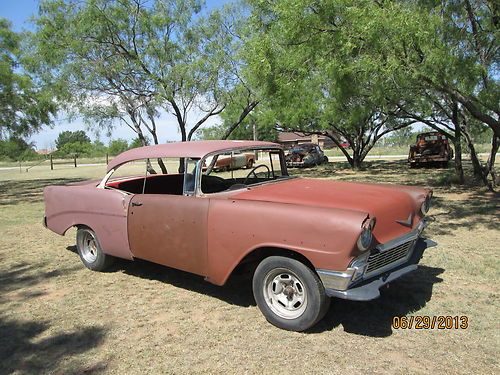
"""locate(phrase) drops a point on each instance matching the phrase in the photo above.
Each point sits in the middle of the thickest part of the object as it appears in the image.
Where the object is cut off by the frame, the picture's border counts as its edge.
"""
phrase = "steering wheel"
(255, 174)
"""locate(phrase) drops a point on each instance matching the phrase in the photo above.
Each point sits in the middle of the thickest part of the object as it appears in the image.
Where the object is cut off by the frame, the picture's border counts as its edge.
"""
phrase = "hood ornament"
(408, 222)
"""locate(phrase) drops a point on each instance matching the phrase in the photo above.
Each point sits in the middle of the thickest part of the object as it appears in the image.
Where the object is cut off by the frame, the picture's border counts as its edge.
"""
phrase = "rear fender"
(102, 210)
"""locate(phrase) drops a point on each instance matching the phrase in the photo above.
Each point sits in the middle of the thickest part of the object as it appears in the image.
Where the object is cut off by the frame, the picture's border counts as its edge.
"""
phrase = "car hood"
(387, 203)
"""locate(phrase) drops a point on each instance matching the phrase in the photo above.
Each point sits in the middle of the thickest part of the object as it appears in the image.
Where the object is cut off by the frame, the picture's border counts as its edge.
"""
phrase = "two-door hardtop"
(305, 240)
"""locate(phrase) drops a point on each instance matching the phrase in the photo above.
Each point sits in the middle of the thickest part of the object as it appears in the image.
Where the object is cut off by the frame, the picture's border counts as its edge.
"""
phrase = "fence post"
(75, 160)
(20, 169)
(51, 163)
(107, 158)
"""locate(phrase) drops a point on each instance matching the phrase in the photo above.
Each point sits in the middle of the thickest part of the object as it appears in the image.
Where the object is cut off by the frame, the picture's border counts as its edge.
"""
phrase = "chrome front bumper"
(390, 261)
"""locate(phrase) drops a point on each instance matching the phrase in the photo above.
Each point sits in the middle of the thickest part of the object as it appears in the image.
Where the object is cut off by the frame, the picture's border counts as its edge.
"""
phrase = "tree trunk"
(459, 170)
(160, 161)
(457, 143)
(149, 167)
(481, 171)
(182, 127)
(246, 111)
(490, 164)
(357, 160)
(476, 164)
(337, 143)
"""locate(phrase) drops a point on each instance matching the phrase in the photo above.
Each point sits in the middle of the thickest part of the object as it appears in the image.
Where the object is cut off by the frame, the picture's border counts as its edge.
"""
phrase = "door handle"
(136, 204)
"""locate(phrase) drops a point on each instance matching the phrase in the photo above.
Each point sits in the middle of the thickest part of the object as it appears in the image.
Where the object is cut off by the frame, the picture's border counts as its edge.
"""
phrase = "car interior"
(212, 180)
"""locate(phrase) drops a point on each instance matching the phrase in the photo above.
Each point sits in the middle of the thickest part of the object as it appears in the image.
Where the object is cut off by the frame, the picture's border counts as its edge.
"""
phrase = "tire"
(90, 250)
(301, 301)
(250, 164)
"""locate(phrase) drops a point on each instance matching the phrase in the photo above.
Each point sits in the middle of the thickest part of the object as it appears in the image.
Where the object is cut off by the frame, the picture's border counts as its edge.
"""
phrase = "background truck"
(432, 148)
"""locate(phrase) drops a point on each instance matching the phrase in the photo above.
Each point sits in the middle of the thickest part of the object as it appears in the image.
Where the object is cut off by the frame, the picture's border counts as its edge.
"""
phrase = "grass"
(57, 317)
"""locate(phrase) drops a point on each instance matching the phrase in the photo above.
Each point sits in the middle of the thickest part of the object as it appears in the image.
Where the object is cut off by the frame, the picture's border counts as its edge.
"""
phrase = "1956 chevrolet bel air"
(304, 240)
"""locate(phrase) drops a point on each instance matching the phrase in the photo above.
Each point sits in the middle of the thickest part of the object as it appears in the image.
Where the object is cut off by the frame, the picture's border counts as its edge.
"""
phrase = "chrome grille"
(380, 260)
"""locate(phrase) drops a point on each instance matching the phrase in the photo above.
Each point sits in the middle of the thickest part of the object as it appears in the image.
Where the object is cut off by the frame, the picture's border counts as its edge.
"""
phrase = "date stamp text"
(430, 322)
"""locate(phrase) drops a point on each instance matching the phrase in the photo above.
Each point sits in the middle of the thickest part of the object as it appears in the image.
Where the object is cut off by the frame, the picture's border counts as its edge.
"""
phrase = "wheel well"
(82, 226)
(252, 259)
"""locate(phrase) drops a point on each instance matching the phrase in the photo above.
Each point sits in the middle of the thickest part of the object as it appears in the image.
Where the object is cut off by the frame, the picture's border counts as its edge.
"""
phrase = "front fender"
(325, 236)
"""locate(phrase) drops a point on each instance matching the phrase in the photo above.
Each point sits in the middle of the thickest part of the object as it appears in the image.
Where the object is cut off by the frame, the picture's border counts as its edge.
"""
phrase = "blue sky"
(19, 13)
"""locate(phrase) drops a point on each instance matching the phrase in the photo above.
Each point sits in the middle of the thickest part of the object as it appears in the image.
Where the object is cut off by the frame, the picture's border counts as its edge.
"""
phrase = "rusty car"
(431, 149)
(305, 155)
(235, 161)
(301, 240)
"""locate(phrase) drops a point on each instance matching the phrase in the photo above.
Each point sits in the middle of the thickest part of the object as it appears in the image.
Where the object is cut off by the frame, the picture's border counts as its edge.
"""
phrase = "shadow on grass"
(374, 318)
(382, 171)
(479, 210)
(22, 352)
(24, 277)
(14, 192)
(237, 290)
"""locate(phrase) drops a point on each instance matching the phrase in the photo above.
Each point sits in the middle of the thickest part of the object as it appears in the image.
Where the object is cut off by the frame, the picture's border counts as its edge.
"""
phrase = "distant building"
(45, 151)
(290, 139)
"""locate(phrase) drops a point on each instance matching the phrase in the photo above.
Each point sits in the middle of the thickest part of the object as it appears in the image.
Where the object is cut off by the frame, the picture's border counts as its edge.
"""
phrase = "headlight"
(426, 205)
(366, 237)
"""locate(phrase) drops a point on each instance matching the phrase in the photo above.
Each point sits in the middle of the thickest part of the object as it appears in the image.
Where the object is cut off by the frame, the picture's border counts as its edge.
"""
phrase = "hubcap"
(88, 247)
(284, 293)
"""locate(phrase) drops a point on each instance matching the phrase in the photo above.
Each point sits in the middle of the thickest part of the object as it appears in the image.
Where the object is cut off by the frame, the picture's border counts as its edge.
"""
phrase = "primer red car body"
(243, 221)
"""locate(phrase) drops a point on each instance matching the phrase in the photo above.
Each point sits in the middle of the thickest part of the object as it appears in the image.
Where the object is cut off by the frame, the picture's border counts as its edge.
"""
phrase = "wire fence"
(52, 163)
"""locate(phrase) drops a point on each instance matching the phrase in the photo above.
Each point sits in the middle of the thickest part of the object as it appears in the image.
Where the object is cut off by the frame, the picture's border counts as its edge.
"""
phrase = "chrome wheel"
(285, 293)
(88, 247)
(90, 251)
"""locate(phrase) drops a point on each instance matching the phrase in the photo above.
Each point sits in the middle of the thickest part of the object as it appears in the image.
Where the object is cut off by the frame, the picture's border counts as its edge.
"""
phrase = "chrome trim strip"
(338, 280)
(410, 239)
(341, 280)
(394, 263)
(413, 235)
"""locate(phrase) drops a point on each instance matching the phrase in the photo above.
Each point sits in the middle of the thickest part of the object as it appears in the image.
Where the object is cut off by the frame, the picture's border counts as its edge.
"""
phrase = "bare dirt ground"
(58, 317)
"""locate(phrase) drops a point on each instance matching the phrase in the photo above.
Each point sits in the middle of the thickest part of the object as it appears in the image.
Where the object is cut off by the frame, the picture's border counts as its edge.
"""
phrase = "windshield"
(240, 169)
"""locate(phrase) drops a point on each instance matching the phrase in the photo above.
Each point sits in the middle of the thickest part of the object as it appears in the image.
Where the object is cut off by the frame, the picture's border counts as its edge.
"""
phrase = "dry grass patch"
(57, 317)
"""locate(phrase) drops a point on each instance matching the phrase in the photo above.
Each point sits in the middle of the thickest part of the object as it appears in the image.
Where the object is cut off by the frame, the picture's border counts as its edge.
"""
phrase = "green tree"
(401, 138)
(71, 149)
(455, 81)
(25, 105)
(16, 148)
(137, 142)
(328, 67)
(68, 136)
(98, 148)
(130, 60)
(117, 146)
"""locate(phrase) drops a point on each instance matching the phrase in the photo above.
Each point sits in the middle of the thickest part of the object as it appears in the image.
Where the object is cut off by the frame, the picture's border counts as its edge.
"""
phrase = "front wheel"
(289, 294)
(90, 250)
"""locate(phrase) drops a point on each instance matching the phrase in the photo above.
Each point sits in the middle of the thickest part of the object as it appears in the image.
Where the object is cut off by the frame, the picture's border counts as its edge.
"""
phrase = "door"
(169, 230)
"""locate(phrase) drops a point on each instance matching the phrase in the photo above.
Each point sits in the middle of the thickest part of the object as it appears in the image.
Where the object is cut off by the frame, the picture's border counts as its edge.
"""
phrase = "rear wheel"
(90, 250)
(289, 294)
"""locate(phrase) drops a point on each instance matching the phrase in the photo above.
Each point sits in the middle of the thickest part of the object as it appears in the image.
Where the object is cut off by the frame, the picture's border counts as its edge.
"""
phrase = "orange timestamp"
(430, 322)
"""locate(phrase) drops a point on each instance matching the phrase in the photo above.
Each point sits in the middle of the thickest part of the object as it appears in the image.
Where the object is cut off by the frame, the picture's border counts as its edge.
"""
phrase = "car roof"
(191, 149)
